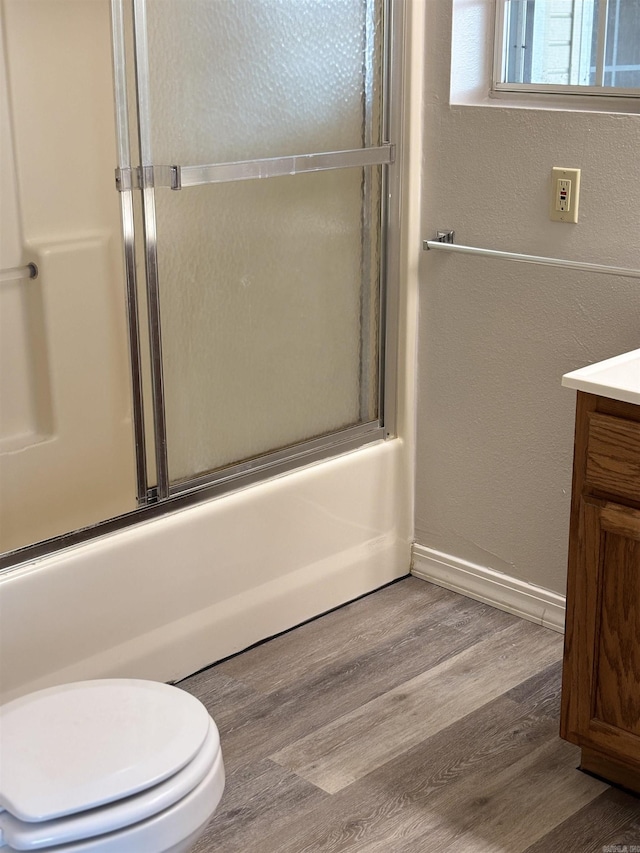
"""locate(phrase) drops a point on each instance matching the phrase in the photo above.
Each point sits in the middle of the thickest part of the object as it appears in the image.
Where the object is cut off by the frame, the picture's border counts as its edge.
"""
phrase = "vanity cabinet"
(601, 673)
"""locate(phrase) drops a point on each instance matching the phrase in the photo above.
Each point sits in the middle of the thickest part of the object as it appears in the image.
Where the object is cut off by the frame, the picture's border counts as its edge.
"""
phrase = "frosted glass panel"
(242, 79)
(269, 303)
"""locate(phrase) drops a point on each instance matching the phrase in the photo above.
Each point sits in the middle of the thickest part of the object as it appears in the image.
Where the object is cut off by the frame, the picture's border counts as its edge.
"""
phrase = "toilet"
(107, 766)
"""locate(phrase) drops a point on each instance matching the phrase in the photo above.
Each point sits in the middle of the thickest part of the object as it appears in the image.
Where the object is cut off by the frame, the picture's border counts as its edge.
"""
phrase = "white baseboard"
(531, 602)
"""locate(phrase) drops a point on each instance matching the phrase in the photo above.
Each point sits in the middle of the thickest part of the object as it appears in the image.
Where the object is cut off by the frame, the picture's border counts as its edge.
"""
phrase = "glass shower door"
(263, 154)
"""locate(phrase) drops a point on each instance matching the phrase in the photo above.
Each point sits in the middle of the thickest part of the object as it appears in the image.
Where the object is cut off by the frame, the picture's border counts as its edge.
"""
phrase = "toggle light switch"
(565, 194)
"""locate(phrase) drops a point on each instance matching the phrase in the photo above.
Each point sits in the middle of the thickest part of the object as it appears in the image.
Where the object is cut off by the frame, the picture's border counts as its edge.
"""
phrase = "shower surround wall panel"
(66, 451)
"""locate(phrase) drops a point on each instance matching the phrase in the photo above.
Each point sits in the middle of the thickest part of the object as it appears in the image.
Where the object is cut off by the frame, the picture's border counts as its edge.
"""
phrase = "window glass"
(584, 44)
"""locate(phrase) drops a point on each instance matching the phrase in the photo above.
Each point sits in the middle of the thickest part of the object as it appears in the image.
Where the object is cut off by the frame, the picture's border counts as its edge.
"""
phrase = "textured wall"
(495, 428)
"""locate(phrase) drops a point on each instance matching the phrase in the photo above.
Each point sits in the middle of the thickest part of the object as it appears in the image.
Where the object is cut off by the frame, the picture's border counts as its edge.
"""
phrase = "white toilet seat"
(163, 773)
(160, 833)
(78, 746)
(25, 835)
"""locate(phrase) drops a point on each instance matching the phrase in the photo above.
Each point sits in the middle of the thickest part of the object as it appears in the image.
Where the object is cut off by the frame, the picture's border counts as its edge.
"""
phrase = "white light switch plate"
(565, 194)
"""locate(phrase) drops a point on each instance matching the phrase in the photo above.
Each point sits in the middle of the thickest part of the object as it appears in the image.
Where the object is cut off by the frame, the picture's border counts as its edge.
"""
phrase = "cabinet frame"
(604, 532)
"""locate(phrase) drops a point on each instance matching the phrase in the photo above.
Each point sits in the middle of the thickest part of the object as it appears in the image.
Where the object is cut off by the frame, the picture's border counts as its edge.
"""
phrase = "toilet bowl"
(107, 766)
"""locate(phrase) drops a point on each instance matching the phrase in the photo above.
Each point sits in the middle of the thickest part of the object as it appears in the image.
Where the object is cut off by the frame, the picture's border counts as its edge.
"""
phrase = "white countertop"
(617, 378)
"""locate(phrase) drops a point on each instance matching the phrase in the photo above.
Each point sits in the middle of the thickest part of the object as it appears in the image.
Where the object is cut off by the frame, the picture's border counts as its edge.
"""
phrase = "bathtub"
(165, 598)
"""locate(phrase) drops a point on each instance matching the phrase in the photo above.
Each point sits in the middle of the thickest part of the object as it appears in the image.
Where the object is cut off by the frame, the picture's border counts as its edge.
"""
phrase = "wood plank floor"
(413, 720)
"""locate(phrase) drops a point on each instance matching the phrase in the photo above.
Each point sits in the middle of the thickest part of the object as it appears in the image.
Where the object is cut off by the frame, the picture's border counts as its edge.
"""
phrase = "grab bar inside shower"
(444, 240)
(19, 273)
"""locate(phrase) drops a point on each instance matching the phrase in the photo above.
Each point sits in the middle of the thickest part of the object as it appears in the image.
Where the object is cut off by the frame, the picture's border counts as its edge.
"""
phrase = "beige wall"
(495, 428)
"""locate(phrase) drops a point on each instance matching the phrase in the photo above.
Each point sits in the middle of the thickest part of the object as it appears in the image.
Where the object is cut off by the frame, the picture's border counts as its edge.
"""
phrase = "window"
(568, 46)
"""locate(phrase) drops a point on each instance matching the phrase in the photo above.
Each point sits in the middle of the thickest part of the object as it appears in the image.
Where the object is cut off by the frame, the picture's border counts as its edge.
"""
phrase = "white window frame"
(578, 67)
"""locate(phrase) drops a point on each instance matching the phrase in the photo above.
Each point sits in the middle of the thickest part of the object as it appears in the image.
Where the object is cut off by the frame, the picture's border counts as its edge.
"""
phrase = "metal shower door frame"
(148, 175)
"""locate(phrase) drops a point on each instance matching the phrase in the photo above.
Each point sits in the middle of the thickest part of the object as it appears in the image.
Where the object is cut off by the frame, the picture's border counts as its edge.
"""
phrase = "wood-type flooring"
(413, 720)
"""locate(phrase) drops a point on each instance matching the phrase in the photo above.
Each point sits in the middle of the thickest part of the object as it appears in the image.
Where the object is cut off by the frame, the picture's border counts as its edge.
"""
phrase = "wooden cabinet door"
(602, 710)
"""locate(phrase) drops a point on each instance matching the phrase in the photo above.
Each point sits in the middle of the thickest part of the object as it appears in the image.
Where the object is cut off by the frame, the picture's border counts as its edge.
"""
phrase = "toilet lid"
(74, 747)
